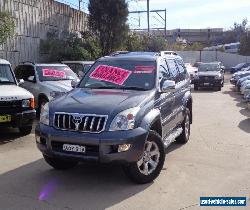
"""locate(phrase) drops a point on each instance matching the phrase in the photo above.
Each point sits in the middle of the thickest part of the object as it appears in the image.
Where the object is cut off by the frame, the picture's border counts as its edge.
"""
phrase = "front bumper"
(101, 147)
(209, 83)
(22, 119)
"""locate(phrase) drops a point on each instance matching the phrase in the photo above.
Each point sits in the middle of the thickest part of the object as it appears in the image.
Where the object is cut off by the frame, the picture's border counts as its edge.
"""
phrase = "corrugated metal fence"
(34, 18)
(227, 59)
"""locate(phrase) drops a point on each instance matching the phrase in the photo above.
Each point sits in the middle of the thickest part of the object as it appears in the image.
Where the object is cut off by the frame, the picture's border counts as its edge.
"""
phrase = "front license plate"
(5, 118)
(206, 84)
(74, 148)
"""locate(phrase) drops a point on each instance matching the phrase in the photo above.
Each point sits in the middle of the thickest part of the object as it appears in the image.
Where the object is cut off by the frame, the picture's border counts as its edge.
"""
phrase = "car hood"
(93, 101)
(60, 86)
(209, 73)
(13, 92)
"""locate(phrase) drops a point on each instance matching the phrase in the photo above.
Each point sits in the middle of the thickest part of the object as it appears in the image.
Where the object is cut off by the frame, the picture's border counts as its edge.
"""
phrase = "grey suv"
(127, 109)
(45, 81)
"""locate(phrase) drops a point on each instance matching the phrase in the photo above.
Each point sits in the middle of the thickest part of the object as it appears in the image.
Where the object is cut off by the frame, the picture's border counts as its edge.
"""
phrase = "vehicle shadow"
(172, 147)
(204, 90)
(84, 187)
(11, 134)
(8, 135)
(245, 125)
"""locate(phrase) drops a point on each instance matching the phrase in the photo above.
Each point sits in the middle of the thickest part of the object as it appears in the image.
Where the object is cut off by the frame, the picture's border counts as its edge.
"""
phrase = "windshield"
(6, 75)
(123, 74)
(239, 65)
(209, 67)
(55, 73)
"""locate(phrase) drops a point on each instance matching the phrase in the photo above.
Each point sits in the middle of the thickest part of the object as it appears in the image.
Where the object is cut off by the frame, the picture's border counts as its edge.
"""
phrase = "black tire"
(196, 87)
(59, 164)
(24, 131)
(184, 137)
(132, 170)
(41, 103)
(219, 88)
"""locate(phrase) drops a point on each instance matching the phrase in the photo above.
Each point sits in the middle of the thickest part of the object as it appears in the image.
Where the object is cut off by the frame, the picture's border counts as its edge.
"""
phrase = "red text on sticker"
(144, 69)
(53, 73)
(111, 74)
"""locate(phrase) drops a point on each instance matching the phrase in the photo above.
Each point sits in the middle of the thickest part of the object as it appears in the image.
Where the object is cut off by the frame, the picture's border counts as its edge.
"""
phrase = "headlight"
(28, 103)
(125, 120)
(218, 76)
(44, 115)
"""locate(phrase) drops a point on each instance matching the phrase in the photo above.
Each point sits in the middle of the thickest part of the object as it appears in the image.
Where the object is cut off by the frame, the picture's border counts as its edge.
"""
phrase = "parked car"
(191, 70)
(248, 101)
(45, 81)
(209, 75)
(127, 109)
(16, 104)
(235, 78)
(239, 67)
(196, 64)
(240, 81)
(245, 89)
(79, 67)
(164, 53)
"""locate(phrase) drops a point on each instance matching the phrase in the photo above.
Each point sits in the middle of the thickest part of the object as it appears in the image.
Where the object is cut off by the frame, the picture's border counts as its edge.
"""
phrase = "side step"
(172, 136)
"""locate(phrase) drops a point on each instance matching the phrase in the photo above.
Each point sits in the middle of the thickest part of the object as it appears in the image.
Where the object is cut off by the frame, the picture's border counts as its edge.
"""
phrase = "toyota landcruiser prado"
(127, 109)
(16, 104)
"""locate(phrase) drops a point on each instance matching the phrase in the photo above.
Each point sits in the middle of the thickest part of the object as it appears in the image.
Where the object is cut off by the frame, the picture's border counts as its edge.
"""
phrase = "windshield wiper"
(120, 88)
(133, 88)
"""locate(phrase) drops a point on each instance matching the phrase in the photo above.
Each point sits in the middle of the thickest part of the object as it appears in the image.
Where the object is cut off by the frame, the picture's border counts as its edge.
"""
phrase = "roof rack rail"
(118, 53)
(23, 62)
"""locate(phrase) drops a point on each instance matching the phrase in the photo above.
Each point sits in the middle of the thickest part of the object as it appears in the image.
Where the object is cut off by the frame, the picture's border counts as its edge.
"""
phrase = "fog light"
(124, 147)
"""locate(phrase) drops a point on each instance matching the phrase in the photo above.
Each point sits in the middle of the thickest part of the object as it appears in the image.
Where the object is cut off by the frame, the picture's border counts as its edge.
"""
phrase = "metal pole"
(166, 24)
(148, 15)
(80, 4)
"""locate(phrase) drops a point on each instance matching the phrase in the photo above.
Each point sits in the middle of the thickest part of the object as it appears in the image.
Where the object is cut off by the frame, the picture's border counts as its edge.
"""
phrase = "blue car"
(239, 66)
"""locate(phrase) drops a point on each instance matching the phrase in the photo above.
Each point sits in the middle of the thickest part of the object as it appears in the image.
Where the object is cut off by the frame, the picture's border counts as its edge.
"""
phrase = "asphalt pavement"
(215, 162)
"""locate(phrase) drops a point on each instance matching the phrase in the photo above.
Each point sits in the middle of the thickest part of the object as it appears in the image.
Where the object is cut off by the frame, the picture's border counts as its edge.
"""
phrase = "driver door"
(27, 73)
(166, 101)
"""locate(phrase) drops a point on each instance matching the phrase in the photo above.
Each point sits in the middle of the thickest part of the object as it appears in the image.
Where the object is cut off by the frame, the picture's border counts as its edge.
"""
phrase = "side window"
(24, 72)
(182, 69)
(173, 70)
(164, 71)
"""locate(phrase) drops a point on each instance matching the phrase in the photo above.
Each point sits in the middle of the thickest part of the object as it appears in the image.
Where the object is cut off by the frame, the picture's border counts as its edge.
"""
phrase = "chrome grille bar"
(91, 123)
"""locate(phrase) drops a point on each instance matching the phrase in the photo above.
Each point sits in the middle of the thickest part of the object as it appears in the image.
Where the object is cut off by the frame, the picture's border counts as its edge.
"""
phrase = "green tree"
(245, 44)
(7, 26)
(108, 21)
(70, 46)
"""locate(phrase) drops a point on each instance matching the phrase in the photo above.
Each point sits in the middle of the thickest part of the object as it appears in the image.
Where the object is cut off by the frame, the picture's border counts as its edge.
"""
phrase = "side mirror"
(31, 79)
(168, 86)
(74, 83)
(20, 81)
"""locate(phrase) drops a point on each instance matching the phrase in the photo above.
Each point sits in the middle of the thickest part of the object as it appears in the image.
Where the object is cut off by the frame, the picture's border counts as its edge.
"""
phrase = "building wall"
(34, 18)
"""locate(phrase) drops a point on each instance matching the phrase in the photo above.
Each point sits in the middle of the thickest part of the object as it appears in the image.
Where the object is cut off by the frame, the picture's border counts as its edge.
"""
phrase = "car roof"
(81, 62)
(2, 61)
(129, 57)
(43, 64)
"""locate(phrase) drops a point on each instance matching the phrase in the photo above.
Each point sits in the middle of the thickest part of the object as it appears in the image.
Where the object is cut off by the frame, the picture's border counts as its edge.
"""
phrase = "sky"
(188, 13)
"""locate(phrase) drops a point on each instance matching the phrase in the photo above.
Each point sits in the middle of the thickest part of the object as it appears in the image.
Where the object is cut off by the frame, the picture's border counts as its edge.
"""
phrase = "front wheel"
(59, 164)
(184, 137)
(196, 87)
(148, 168)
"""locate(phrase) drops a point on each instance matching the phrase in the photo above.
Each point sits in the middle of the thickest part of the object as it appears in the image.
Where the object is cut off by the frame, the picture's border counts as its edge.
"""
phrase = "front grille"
(80, 122)
(11, 107)
(206, 78)
(91, 150)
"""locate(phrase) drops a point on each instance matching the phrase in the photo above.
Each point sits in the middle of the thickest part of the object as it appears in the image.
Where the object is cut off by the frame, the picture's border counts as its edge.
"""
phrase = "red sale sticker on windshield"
(111, 74)
(144, 69)
(53, 73)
